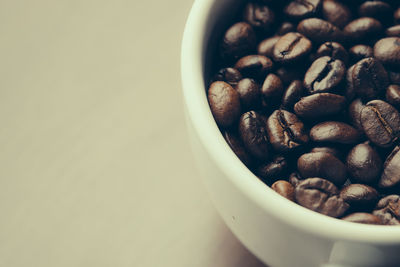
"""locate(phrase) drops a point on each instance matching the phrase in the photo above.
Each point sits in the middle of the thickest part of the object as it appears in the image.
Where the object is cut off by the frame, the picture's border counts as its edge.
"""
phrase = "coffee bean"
(254, 135)
(324, 75)
(224, 102)
(334, 132)
(387, 50)
(285, 131)
(288, 74)
(228, 75)
(355, 109)
(364, 164)
(300, 9)
(381, 123)
(388, 210)
(363, 217)
(254, 66)
(321, 196)
(376, 9)
(393, 31)
(325, 149)
(336, 13)
(350, 84)
(272, 90)
(285, 28)
(284, 189)
(295, 178)
(323, 165)
(292, 47)
(273, 170)
(249, 94)
(266, 47)
(393, 95)
(239, 40)
(362, 30)
(319, 31)
(359, 52)
(333, 50)
(394, 77)
(391, 170)
(319, 105)
(292, 94)
(261, 17)
(359, 196)
(237, 147)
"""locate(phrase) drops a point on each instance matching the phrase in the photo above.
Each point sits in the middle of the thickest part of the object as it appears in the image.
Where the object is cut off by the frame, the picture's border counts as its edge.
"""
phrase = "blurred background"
(95, 166)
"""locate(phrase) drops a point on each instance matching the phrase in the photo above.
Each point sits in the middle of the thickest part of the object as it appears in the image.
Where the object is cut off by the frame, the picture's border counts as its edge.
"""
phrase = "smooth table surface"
(96, 168)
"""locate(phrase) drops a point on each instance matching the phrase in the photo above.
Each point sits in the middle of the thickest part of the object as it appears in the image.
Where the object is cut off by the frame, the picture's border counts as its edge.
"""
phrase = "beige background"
(95, 168)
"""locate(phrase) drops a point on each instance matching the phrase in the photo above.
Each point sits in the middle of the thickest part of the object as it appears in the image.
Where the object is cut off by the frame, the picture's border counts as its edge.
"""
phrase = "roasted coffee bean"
(363, 217)
(254, 135)
(381, 123)
(224, 102)
(326, 149)
(319, 31)
(300, 9)
(355, 109)
(261, 17)
(350, 84)
(362, 30)
(393, 95)
(228, 75)
(391, 169)
(388, 210)
(254, 66)
(295, 178)
(284, 189)
(359, 52)
(273, 170)
(288, 75)
(239, 40)
(321, 196)
(324, 165)
(285, 28)
(369, 78)
(333, 50)
(376, 9)
(266, 47)
(272, 90)
(387, 50)
(359, 196)
(285, 131)
(319, 105)
(249, 93)
(336, 13)
(291, 47)
(334, 132)
(237, 147)
(394, 77)
(324, 75)
(364, 164)
(292, 94)
(393, 31)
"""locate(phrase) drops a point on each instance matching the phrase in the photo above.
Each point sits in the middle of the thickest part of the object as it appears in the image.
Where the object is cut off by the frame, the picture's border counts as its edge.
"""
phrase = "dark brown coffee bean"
(336, 13)
(394, 77)
(291, 47)
(381, 123)
(388, 210)
(334, 132)
(393, 95)
(239, 40)
(324, 165)
(228, 75)
(359, 196)
(272, 90)
(289, 74)
(324, 75)
(350, 84)
(364, 164)
(254, 135)
(376, 9)
(396, 16)
(391, 169)
(261, 17)
(333, 50)
(319, 105)
(326, 149)
(266, 47)
(284, 189)
(285, 28)
(224, 102)
(249, 93)
(254, 66)
(370, 78)
(359, 52)
(285, 131)
(319, 31)
(292, 94)
(321, 196)
(362, 29)
(393, 31)
(237, 147)
(387, 50)
(363, 217)
(295, 178)
(355, 109)
(300, 9)
(273, 170)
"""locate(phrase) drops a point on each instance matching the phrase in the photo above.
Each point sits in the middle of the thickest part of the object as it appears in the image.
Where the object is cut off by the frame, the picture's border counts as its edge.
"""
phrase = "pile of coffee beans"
(307, 95)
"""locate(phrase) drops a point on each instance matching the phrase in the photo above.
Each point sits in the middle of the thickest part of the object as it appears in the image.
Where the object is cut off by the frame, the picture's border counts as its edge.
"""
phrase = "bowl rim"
(195, 100)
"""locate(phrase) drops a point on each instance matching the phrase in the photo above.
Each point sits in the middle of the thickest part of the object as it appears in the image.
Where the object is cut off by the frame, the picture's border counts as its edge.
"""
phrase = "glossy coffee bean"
(359, 52)
(333, 50)
(324, 165)
(289, 74)
(363, 217)
(260, 16)
(254, 135)
(266, 47)
(249, 94)
(388, 210)
(295, 178)
(325, 149)
(364, 164)
(355, 109)
(224, 102)
(393, 31)
(319, 31)
(324, 75)
(381, 123)
(237, 147)
(362, 30)
(319, 105)
(334, 132)
(359, 196)
(391, 169)
(376, 9)
(254, 66)
(387, 50)
(285, 28)
(273, 170)
(239, 40)
(300, 9)
(292, 94)
(336, 13)
(393, 95)
(284, 189)
(272, 90)
(228, 75)
(350, 84)
(394, 77)
(321, 196)
(291, 47)
(285, 131)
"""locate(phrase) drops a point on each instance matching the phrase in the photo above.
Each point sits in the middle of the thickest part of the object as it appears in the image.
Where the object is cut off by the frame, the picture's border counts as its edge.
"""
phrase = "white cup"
(280, 233)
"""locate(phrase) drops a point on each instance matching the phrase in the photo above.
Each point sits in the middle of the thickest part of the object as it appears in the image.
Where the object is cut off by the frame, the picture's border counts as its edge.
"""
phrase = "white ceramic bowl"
(277, 231)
